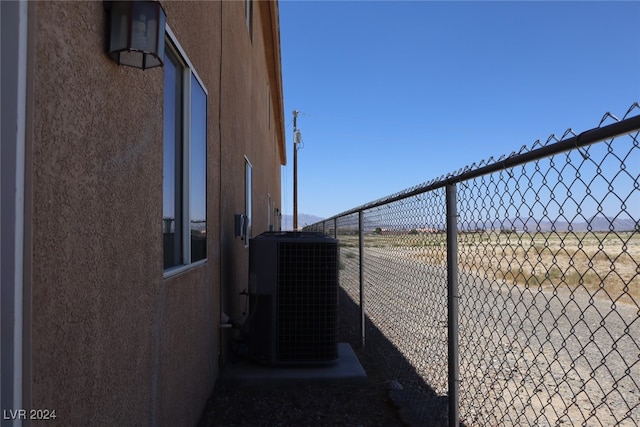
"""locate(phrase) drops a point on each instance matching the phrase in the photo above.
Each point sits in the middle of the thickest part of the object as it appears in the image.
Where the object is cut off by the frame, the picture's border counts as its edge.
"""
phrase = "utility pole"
(295, 170)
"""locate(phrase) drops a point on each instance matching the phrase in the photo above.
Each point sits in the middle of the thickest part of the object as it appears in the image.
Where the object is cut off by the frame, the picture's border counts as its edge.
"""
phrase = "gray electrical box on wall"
(293, 287)
(241, 226)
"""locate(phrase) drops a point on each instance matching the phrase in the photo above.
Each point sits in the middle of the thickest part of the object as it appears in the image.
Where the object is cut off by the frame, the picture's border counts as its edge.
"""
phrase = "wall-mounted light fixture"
(136, 33)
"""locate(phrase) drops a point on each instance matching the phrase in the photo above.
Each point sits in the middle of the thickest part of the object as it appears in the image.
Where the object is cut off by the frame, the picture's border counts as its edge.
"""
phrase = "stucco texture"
(93, 206)
(248, 130)
(114, 341)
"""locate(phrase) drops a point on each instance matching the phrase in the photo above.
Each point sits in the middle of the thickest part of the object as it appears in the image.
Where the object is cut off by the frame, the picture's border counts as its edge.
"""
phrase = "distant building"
(120, 189)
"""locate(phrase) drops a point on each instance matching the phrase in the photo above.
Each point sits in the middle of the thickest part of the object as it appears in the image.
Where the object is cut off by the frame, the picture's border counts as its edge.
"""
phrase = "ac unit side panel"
(262, 329)
(263, 258)
(262, 301)
(307, 301)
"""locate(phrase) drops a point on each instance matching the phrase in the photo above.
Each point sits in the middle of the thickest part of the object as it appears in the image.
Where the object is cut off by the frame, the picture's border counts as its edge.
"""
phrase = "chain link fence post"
(452, 303)
(361, 251)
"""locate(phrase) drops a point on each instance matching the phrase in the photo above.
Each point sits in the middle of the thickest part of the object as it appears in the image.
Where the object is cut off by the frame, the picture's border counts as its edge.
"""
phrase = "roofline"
(271, 24)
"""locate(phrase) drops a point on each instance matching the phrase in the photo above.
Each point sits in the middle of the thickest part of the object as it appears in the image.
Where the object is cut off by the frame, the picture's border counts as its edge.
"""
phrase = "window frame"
(248, 17)
(268, 106)
(269, 219)
(248, 200)
(173, 47)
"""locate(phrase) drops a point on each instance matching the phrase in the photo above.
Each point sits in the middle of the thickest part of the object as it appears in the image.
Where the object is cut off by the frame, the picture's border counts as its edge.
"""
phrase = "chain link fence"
(509, 289)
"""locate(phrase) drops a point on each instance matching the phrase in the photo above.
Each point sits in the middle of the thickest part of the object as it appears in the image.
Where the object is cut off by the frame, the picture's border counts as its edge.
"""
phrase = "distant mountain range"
(596, 223)
(303, 220)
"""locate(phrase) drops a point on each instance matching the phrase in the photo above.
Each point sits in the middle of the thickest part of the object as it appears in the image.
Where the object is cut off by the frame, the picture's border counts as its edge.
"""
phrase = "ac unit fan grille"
(307, 302)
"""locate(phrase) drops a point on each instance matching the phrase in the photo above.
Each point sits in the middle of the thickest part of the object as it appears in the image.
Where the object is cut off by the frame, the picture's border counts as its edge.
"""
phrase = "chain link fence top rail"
(548, 249)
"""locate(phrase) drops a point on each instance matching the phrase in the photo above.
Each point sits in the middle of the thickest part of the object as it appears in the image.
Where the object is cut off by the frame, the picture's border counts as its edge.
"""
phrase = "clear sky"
(393, 94)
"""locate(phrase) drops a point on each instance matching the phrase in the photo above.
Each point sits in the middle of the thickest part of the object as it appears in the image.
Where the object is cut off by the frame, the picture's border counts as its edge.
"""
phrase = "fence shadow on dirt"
(417, 402)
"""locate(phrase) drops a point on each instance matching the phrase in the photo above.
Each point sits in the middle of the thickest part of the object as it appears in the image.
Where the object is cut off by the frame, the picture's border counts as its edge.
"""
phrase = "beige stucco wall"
(113, 342)
(247, 129)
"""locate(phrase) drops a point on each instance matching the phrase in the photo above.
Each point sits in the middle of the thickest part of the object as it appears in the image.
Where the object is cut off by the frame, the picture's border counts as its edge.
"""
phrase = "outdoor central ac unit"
(293, 283)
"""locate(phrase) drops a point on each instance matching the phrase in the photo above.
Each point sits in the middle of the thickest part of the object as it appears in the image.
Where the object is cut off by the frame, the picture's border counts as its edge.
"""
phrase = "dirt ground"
(316, 404)
(305, 404)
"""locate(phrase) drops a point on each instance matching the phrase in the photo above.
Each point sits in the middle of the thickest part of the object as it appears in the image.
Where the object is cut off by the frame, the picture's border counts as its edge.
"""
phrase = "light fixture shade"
(136, 33)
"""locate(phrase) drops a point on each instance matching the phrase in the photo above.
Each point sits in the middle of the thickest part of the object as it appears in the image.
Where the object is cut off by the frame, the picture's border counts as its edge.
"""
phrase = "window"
(184, 184)
(269, 223)
(268, 106)
(248, 13)
(248, 194)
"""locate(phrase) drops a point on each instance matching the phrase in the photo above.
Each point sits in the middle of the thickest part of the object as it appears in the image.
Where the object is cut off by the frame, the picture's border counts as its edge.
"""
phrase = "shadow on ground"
(393, 395)
(416, 401)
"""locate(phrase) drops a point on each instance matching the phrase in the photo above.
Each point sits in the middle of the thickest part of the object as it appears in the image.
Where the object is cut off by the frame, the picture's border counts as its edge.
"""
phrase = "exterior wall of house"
(251, 129)
(112, 340)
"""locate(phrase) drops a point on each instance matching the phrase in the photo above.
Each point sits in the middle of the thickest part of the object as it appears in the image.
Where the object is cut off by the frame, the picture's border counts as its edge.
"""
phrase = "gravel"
(316, 404)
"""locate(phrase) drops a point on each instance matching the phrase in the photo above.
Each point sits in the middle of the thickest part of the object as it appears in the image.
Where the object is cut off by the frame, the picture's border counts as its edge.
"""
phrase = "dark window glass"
(172, 206)
(198, 172)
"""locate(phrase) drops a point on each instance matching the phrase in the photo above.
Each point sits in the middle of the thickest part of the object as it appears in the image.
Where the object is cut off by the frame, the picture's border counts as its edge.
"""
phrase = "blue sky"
(393, 94)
